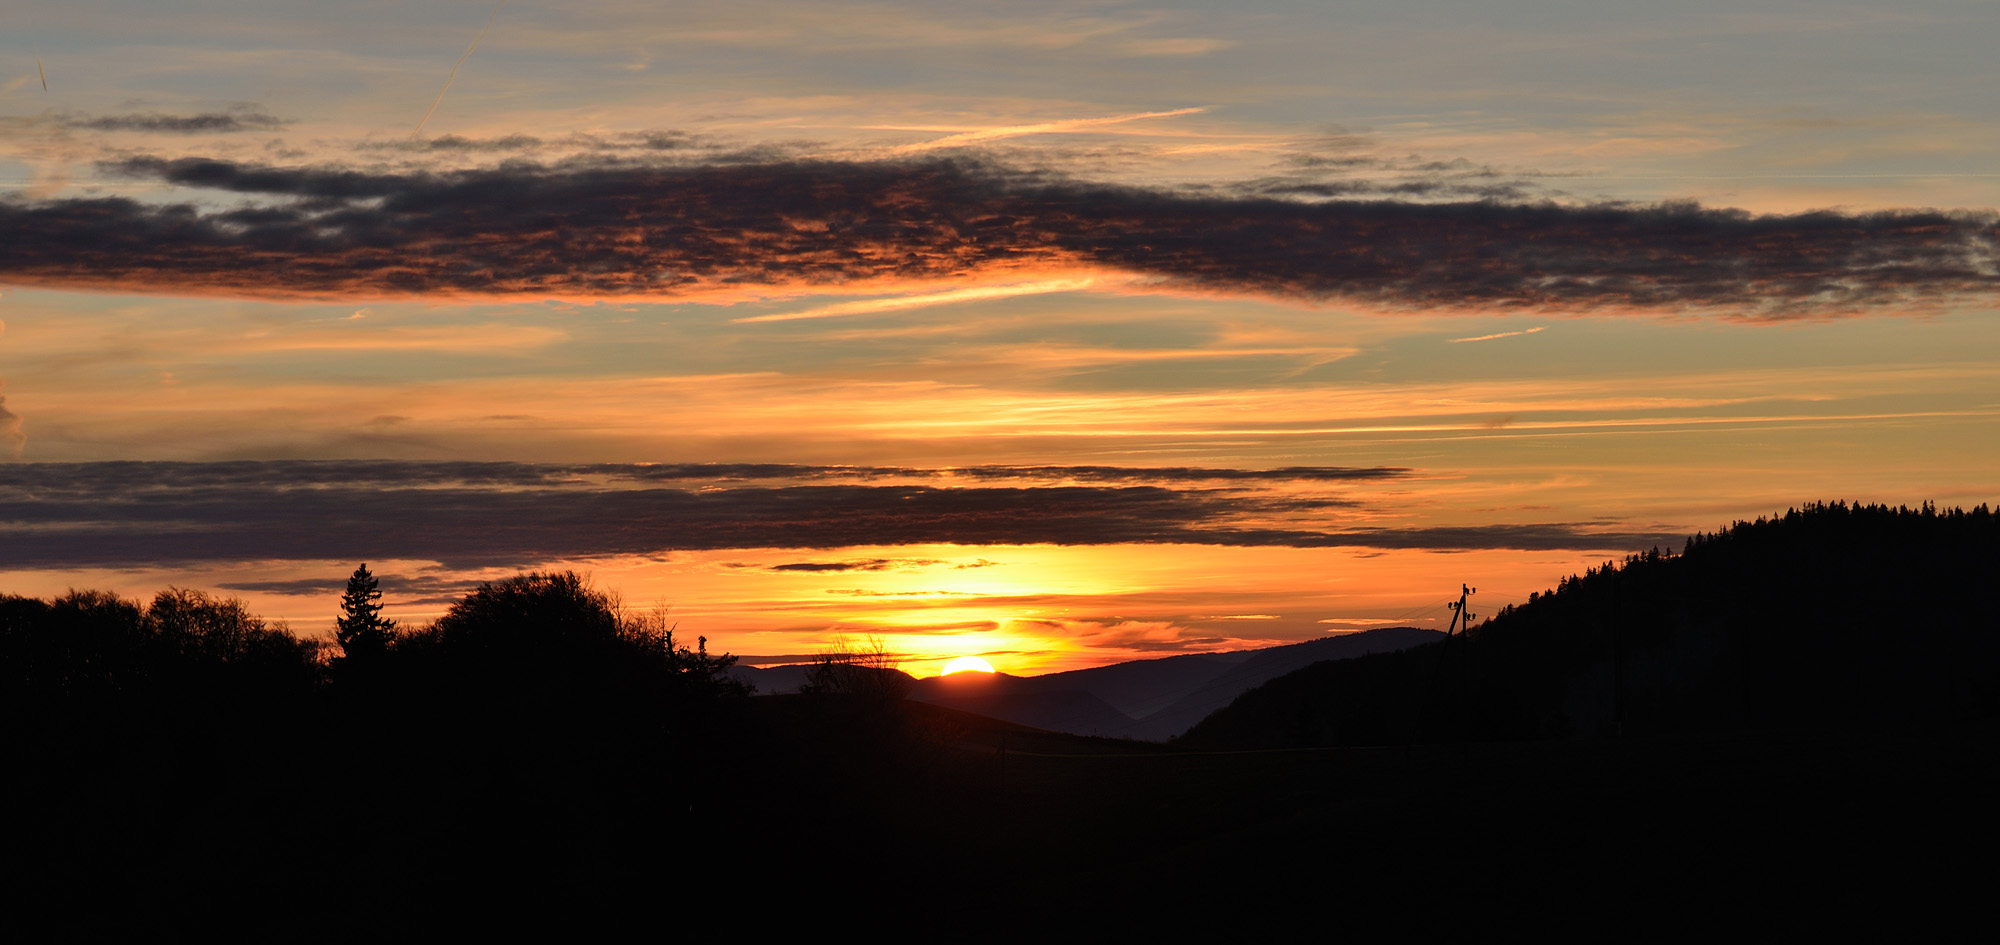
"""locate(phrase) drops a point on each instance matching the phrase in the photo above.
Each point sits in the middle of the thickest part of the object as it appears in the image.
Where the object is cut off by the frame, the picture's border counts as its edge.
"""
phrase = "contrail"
(1047, 127)
(868, 306)
(1504, 334)
(454, 67)
(40, 72)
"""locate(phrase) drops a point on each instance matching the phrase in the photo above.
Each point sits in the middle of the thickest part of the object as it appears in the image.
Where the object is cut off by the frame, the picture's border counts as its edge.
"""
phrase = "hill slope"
(1145, 699)
(1148, 699)
(1831, 615)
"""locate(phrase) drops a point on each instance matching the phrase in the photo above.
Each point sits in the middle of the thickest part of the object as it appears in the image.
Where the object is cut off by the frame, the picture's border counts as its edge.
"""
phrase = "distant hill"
(1828, 616)
(1023, 700)
(773, 680)
(1146, 699)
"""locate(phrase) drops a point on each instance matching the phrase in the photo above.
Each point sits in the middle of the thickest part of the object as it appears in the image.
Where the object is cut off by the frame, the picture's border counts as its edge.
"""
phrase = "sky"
(1055, 333)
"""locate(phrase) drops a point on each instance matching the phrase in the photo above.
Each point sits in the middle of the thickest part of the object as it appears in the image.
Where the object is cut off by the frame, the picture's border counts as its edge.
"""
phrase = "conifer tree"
(361, 630)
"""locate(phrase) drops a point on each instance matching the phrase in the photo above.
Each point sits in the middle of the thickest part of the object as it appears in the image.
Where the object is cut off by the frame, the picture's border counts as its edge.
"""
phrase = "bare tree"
(864, 670)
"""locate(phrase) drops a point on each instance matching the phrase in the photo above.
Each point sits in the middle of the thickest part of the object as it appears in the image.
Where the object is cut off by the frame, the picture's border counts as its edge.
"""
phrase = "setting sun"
(967, 664)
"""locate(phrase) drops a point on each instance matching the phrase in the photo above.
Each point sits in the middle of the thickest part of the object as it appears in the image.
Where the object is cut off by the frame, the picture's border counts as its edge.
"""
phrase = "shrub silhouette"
(864, 672)
(551, 635)
(555, 613)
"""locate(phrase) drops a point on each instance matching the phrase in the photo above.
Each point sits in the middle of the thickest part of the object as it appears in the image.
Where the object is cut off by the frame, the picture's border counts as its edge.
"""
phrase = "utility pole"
(1461, 617)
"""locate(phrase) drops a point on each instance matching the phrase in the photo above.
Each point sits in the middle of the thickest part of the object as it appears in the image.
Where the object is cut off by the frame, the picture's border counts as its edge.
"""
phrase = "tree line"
(186, 765)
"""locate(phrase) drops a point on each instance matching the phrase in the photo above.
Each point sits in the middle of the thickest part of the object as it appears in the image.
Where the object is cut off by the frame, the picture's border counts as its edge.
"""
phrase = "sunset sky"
(1061, 335)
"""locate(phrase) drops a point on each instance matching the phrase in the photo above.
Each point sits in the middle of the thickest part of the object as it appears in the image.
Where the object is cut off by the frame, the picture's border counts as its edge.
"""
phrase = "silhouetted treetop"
(554, 629)
(361, 630)
(547, 606)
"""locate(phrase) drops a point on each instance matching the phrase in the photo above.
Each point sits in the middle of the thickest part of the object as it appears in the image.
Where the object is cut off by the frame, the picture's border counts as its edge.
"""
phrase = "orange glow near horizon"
(1035, 608)
(1053, 608)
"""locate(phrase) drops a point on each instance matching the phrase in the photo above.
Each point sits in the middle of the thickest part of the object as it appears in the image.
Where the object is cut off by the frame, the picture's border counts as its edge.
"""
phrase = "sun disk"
(967, 664)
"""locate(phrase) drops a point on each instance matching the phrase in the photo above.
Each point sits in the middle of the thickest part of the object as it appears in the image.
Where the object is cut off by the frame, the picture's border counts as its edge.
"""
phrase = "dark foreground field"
(1800, 829)
(822, 815)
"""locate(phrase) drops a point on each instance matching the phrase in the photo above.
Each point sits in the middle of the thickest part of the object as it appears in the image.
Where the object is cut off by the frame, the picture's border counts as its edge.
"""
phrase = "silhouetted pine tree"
(361, 630)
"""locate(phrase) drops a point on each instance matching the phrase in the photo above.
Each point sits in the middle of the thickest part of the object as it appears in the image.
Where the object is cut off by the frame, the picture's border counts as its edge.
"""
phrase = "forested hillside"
(1830, 615)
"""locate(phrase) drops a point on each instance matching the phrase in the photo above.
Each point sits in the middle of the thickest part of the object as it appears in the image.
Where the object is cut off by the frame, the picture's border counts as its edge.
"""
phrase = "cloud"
(203, 123)
(457, 143)
(790, 227)
(870, 564)
(404, 590)
(573, 145)
(1163, 636)
(1179, 473)
(515, 515)
(12, 440)
(109, 477)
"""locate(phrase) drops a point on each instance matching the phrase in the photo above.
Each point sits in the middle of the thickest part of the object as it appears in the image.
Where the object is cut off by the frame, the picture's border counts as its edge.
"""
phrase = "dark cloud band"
(109, 477)
(203, 123)
(601, 230)
(130, 514)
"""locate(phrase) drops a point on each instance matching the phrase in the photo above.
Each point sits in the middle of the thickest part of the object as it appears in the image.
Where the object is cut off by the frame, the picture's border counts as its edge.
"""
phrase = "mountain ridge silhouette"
(1149, 699)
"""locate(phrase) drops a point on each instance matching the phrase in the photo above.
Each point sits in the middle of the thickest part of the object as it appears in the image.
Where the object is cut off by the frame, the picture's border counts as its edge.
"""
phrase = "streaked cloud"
(223, 122)
(771, 229)
(870, 564)
(54, 478)
(505, 514)
(476, 337)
